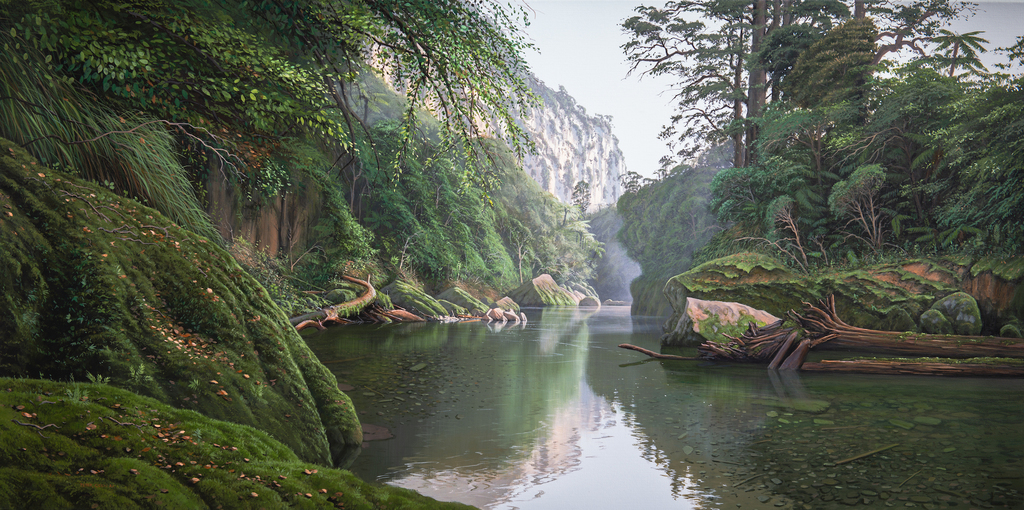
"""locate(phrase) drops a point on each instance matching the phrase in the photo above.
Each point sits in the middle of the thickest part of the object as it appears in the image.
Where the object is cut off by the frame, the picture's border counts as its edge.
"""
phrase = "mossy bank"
(68, 445)
(96, 284)
(891, 296)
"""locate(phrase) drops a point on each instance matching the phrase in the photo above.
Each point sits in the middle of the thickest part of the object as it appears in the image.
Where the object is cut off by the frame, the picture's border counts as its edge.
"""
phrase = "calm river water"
(553, 415)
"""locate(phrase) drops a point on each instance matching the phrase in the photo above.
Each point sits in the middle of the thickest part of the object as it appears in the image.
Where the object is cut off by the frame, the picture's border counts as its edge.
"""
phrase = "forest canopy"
(839, 150)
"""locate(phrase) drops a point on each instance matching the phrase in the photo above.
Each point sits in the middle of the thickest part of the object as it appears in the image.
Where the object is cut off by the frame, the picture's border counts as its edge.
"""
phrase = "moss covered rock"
(934, 322)
(543, 291)
(464, 299)
(898, 320)
(712, 320)
(413, 299)
(507, 303)
(452, 308)
(343, 294)
(1010, 331)
(962, 311)
(92, 282)
(649, 297)
(874, 297)
(96, 446)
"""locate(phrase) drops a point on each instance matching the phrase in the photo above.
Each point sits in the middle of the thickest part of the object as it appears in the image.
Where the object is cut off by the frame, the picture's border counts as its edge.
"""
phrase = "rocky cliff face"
(572, 146)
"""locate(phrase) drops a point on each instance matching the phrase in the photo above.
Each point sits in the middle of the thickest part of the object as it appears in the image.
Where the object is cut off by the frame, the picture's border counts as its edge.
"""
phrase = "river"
(552, 415)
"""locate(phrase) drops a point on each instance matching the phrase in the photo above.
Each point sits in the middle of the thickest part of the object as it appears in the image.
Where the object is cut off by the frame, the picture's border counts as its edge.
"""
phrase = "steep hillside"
(572, 146)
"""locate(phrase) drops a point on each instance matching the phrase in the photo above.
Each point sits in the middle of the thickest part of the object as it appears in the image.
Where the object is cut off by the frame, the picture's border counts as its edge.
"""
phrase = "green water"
(553, 415)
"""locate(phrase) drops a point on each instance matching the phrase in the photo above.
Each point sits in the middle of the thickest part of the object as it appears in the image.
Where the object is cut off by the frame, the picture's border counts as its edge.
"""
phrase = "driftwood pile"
(774, 345)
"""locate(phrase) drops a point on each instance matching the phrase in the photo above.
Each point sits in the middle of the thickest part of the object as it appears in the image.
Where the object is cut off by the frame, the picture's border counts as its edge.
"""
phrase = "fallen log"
(755, 345)
(905, 367)
(796, 359)
(656, 354)
(825, 328)
(348, 307)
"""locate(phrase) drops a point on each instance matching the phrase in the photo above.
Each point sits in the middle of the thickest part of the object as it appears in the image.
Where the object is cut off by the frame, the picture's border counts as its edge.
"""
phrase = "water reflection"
(552, 414)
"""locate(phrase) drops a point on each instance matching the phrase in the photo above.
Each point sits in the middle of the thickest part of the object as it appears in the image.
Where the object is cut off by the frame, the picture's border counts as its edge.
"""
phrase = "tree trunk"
(354, 306)
(912, 368)
(757, 79)
(825, 328)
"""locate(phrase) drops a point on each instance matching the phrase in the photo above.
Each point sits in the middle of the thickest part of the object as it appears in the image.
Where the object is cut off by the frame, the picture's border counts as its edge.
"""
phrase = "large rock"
(934, 322)
(543, 291)
(710, 320)
(413, 299)
(452, 308)
(590, 301)
(507, 303)
(464, 299)
(650, 297)
(94, 282)
(877, 297)
(961, 310)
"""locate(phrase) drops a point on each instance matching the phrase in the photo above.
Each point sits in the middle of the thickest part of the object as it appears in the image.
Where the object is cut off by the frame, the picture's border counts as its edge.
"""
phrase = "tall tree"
(721, 51)
(961, 50)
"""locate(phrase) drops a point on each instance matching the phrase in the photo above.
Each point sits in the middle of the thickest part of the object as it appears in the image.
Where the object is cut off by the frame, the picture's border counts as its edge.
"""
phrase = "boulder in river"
(464, 299)
(506, 303)
(710, 320)
(452, 308)
(590, 301)
(543, 291)
(413, 299)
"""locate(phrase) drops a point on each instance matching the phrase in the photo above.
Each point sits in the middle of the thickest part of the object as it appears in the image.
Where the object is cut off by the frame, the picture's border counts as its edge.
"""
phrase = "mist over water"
(615, 270)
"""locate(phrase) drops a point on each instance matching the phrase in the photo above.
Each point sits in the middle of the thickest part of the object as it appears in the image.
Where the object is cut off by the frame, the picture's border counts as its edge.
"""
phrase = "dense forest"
(840, 151)
(393, 125)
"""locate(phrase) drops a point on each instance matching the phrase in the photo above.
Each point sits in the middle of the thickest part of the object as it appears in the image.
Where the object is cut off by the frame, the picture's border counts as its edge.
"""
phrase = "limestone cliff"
(572, 146)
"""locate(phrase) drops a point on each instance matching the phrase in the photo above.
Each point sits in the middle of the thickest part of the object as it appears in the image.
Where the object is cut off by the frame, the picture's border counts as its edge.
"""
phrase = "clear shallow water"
(554, 415)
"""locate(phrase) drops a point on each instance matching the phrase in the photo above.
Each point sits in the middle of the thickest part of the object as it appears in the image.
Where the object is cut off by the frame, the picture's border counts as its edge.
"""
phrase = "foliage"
(91, 282)
(66, 128)
(665, 222)
(833, 69)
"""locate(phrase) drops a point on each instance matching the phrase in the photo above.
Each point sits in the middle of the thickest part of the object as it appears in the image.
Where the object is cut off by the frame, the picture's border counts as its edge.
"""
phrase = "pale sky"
(580, 40)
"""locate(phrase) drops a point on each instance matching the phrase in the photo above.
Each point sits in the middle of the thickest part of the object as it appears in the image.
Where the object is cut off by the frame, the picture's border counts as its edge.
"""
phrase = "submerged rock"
(94, 282)
(709, 320)
(543, 291)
